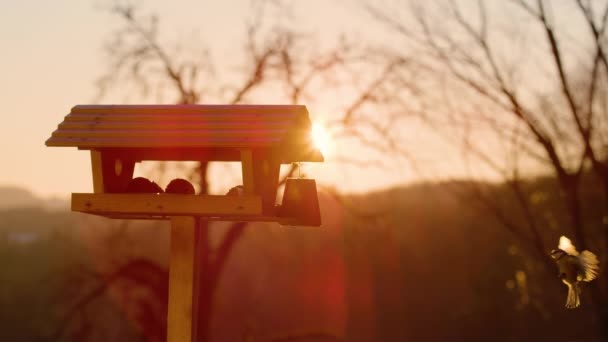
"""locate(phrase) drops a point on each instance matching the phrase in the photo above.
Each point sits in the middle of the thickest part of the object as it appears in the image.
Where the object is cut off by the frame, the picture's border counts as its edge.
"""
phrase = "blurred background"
(462, 139)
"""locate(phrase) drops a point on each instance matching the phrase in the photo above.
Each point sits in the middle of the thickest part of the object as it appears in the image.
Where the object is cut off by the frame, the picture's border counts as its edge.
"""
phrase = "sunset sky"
(52, 56)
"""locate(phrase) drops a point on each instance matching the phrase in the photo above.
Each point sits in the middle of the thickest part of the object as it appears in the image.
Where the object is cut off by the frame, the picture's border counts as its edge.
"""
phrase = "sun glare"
(321, 138)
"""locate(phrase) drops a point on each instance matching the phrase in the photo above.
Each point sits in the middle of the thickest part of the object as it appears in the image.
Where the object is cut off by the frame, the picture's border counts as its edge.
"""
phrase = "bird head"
(558, 254)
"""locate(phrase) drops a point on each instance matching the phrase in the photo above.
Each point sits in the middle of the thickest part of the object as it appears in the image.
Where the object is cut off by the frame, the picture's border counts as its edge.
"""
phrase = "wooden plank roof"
(186, 127)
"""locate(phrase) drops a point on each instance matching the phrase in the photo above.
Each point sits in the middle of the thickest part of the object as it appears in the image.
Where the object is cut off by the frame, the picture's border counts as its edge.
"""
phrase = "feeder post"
(98, 184)
(183, 283)
(247, 170)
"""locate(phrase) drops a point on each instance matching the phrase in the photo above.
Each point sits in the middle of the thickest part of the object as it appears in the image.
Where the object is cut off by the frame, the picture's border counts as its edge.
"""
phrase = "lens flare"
(321, 138)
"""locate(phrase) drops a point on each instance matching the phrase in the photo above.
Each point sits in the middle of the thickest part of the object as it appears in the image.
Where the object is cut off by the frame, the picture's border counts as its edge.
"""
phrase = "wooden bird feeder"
(260, 137)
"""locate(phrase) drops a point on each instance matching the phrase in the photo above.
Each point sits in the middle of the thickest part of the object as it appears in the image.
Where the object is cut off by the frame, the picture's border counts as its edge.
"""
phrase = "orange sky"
(51, 57)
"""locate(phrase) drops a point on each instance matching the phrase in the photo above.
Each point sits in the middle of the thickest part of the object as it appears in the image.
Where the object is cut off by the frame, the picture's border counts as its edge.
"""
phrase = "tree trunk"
(573, 203)
(210, 268)
(600, 290)
(604, 253)
(204, 276)
(204, 272)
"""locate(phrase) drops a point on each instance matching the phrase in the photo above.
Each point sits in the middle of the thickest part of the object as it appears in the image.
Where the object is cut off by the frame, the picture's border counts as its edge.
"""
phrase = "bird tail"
(573, 299)
(590, 265)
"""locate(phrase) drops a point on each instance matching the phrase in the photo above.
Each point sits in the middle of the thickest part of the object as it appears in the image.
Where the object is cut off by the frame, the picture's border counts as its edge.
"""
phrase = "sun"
(321, 138)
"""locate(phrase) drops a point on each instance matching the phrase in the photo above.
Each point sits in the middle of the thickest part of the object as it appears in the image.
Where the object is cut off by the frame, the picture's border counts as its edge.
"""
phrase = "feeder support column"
(183, 285)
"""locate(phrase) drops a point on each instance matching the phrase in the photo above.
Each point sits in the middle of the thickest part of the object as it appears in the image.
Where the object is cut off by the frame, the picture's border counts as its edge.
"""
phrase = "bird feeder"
(260, 137)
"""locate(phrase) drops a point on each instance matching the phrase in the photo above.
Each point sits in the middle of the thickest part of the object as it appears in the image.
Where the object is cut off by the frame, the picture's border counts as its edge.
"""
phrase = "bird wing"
(566, 245)
(589, 265)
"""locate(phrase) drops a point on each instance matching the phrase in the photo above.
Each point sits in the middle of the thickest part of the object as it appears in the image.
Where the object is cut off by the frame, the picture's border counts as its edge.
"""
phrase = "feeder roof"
(278, 127)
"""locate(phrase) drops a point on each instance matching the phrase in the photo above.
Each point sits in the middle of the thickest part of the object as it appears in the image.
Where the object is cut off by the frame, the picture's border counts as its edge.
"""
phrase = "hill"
(12, 197)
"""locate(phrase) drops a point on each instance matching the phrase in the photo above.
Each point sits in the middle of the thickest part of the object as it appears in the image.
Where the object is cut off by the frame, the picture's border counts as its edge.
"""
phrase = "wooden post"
(247, 169)
(96, 168)
(266, 169)
(183, 285)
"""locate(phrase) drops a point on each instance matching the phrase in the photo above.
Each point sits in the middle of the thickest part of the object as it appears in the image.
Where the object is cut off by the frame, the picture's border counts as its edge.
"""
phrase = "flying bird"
(574, 268)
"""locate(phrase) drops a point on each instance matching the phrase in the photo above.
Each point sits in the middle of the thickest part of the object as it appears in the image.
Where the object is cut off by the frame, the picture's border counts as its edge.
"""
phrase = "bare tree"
(518, 92)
